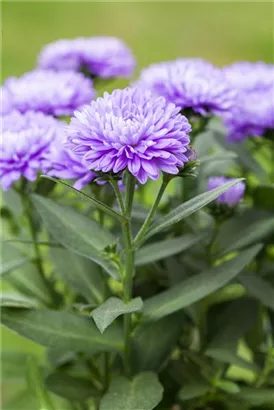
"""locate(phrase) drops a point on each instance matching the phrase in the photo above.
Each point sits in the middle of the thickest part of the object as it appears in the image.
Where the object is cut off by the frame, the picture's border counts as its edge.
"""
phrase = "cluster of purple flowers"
(253, 111)
(141, 129)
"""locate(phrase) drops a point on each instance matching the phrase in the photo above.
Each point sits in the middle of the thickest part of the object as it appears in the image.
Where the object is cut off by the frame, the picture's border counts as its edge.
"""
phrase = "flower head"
(101, 56)
(61, 162)
(5, 102)
(131, 129)
(190, 84)
(26, 138)
(252, 115)
(247, 76)
(56, 93)
(230, 197)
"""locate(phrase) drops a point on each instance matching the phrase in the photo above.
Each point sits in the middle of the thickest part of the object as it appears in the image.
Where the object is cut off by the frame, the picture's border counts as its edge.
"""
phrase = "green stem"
(129, 267)
(119, 198)
(145, 226)
(38, 257)
(126, 208)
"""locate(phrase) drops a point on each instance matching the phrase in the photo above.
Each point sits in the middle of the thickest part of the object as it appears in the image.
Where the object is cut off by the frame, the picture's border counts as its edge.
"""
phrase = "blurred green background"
(221, 32)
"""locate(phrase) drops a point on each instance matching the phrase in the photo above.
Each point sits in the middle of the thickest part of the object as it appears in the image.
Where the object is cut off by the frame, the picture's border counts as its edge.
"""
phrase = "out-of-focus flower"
(131, 129)
(55, 93)
(253, 115)
(5, 102)
(232, 196)
(101, 56)
(253, 112)
(62, 163)
(190, 84)
(248, 76)
(25, 140)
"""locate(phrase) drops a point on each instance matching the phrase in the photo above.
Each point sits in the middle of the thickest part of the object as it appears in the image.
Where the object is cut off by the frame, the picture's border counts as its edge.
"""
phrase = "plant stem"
(38, 257)
(129, 267)
(145, 226)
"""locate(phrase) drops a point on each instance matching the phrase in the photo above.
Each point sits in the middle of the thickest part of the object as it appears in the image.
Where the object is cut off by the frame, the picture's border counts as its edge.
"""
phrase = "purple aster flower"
(190, 84)
(5, 102)
(247, 76)
(25, 140)
(232, 196)
(131, 129)
(102, 56)
(62, 163)
(56, 93)
(252, 115)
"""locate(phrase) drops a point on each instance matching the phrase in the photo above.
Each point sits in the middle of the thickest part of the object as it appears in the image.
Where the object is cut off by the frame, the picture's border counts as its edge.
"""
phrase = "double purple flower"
(131, 129)
(47, 91)
(192, 84)
(101, 56)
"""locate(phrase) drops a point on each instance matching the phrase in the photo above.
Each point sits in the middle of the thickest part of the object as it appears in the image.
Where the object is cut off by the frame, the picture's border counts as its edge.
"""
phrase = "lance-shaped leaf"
(188, 208)
(70, 387)
(258, 287)
(191, 391)
(152, 343)
(144, 392)
(17, 300)
(257, 397)
(244, 230)
(80, 273)
(8, 267)
(197, 287)
(61, 330)
(98, 204)
(163, 249)
(76, 232)
(113, 307)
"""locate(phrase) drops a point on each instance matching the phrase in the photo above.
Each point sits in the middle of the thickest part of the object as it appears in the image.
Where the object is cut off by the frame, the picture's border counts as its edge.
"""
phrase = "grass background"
(221, 32)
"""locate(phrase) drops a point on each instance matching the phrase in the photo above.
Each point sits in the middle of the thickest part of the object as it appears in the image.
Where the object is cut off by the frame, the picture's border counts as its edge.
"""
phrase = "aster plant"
(138, 236)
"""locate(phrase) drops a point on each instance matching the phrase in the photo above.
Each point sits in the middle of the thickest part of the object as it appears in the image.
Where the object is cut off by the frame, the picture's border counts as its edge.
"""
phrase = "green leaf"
(76, 232)
(70, 387)
(13, 265)
(163, 249)
(36, 385)
(263, 197)
(188, 208)
(144, 392)
(258, 287)
(257, 397)
(228, 386)
(243, 231)
(192, 391)
(226, 355)
(61, 329)
(13, 201)
(153, 342)
(98, 204)
(233, 323)
(17, 300)
(80, 273)
(113, 307)
(197, 287)
(28, 281)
